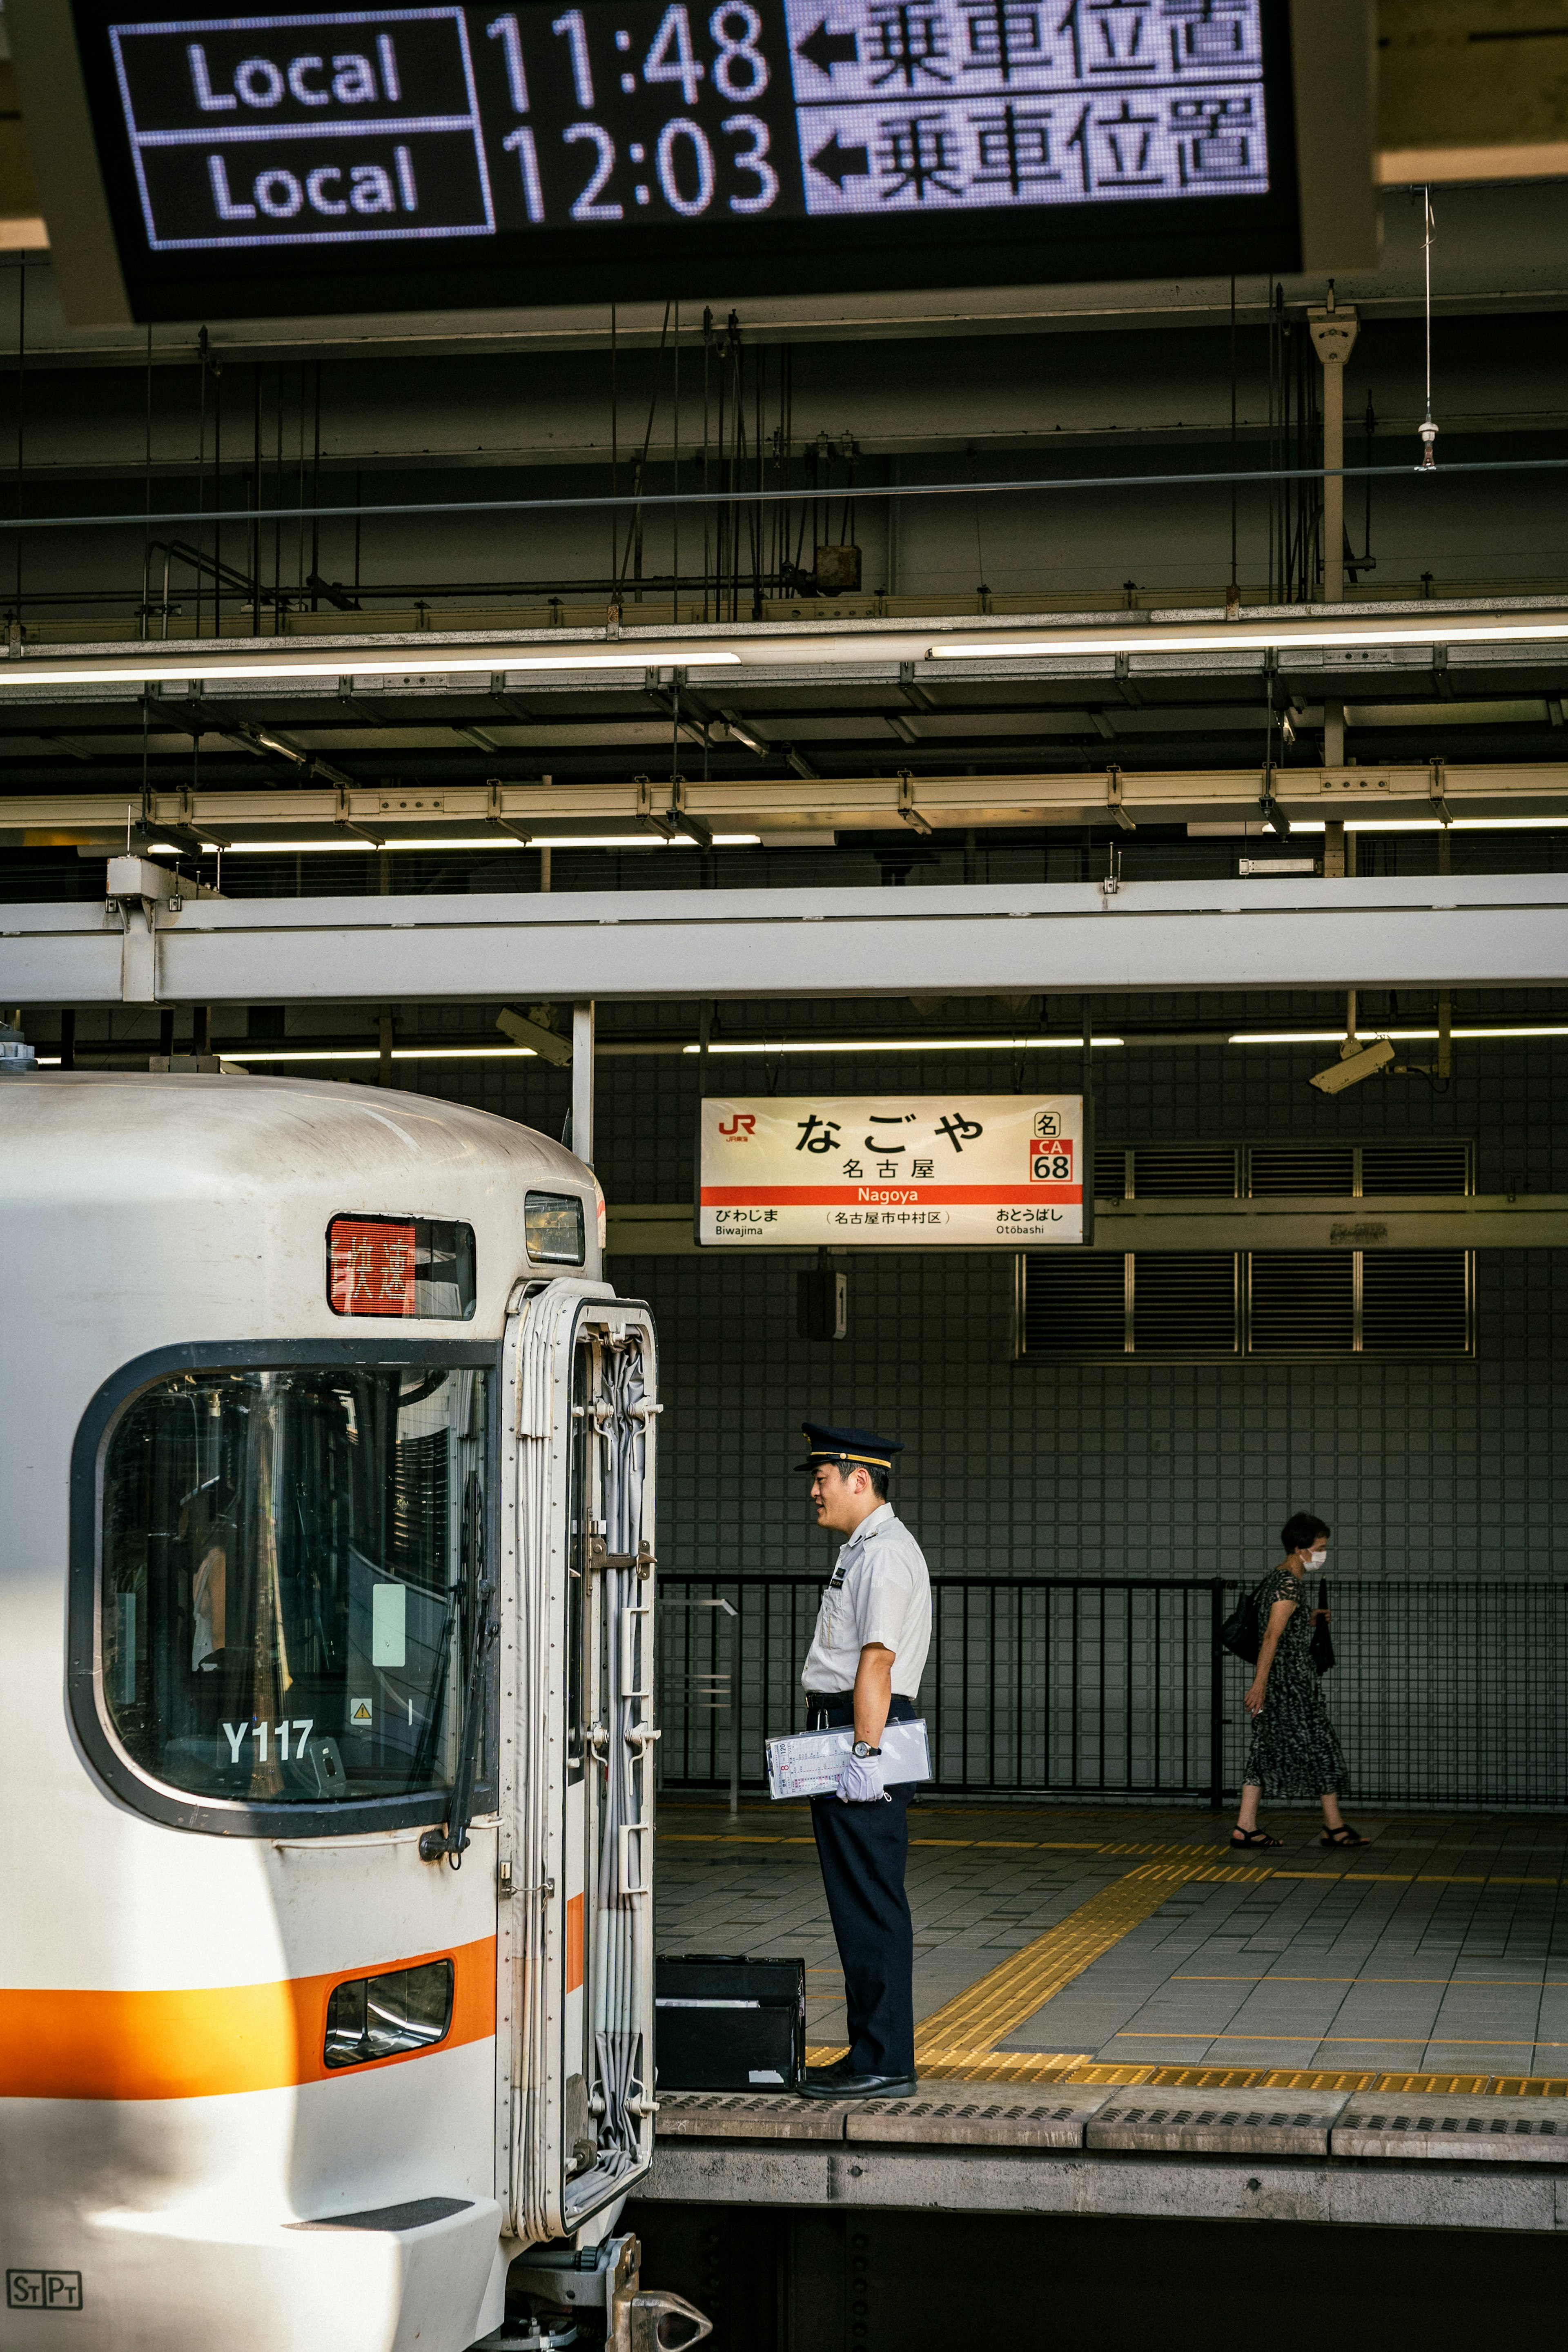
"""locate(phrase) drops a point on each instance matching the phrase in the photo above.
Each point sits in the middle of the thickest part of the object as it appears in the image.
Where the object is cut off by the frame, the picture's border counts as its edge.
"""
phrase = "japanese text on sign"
(461, 121)
(916, 1171)
(372, 1267)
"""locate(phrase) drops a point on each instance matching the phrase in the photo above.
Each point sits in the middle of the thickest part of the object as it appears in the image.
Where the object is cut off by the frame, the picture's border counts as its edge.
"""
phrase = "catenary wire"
(752, 496)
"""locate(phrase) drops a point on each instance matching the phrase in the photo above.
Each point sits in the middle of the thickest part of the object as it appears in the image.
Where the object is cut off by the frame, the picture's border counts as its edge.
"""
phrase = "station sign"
(291, 160)
(891, 1171)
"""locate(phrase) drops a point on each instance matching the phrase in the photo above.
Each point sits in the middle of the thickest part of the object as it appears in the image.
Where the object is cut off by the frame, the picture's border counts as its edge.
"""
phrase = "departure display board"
(427, 156)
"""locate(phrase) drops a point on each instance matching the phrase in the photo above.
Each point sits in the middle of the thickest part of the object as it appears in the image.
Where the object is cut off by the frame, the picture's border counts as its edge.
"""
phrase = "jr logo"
(740, 1129)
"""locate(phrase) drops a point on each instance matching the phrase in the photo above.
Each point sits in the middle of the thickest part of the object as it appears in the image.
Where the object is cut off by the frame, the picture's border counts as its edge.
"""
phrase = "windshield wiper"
(452, 1840)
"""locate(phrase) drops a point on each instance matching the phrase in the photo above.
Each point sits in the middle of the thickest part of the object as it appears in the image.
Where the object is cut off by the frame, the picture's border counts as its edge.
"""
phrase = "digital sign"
(434, 155)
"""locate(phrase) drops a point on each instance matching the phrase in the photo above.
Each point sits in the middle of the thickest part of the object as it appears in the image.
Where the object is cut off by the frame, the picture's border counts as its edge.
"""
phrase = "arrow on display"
(840, 164)
(825, 50)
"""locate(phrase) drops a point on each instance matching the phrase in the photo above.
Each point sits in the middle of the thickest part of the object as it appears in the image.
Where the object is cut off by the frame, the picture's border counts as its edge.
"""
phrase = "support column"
(384, 1037)
(582, 1081)
(1333, 331)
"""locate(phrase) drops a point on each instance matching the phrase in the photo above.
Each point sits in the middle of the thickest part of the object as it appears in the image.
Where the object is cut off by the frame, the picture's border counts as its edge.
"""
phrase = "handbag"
(1242, 1631)
(1320, 1649)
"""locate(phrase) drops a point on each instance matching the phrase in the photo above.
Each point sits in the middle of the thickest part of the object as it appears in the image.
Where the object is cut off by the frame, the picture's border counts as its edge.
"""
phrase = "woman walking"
(1293, 1750)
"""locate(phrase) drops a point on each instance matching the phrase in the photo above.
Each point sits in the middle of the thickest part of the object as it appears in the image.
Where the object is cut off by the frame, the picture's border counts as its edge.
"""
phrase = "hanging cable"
(1233, 594)
(1428, 430)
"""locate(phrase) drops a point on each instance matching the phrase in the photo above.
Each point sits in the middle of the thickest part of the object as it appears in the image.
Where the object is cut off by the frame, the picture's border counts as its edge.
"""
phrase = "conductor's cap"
(847, 1447)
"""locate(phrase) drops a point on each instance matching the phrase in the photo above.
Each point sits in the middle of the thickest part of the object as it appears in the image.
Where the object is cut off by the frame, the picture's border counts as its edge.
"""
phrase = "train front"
(250, 1397)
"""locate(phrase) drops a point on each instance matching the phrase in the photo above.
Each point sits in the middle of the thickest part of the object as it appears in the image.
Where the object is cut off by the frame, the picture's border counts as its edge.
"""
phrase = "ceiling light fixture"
(1402, 1036)
(179, 669)
(367, 848)
(895, 1045)
(1239, 636)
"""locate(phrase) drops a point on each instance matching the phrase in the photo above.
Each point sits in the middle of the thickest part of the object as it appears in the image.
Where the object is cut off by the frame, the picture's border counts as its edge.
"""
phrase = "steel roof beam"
(1296, 932)
(1430, 791)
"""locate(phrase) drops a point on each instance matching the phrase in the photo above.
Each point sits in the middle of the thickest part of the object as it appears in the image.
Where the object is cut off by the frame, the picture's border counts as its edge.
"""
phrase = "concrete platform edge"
(1364, 2193)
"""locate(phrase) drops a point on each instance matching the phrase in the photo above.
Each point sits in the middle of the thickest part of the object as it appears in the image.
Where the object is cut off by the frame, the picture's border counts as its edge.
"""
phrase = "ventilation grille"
(1304, 1303)
(1074, 1303)
(1415, 1302)
(1415, 1168)
(1183, 1303)
(1175, 1171)
(1198, 1306)
(1111, 1176)
(1312, 1168)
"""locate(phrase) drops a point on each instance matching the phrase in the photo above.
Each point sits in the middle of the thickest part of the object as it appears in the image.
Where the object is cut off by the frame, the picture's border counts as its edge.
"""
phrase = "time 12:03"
(595, 129)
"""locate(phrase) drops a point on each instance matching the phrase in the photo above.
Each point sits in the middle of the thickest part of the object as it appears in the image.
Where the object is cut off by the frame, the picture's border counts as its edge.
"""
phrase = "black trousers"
(863, 1849)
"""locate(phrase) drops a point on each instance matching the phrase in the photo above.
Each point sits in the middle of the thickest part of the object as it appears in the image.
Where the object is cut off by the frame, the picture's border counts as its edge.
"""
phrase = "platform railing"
(1443, 1692)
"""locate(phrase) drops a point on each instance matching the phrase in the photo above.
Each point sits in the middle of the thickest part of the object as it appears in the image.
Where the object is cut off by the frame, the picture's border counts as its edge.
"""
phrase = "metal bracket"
(1114, 800)
(493, 789)
(906, 808)
(1272, 813)
(598, 1558)
(1435, 794)
(681, 818)
(646, 812)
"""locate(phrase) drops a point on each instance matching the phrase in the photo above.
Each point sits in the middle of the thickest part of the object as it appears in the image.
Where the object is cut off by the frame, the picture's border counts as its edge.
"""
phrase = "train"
(327, 1583)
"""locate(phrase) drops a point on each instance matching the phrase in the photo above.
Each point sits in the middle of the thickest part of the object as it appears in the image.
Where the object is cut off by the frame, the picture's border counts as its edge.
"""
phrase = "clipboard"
(807, 1763)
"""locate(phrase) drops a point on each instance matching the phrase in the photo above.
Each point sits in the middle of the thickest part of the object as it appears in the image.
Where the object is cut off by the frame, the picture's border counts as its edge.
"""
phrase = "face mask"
(1315, 1558)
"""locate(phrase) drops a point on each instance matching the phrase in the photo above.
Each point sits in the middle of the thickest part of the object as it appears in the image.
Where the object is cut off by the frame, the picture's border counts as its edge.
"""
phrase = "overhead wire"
(741, 494)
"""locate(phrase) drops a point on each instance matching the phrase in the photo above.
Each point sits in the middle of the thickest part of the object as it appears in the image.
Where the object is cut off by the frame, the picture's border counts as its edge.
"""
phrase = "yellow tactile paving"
(1028, 2066)
(987, 2012)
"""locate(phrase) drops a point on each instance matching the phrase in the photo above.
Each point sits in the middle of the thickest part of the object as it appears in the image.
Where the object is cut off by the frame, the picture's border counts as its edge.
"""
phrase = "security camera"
(1355, 1063)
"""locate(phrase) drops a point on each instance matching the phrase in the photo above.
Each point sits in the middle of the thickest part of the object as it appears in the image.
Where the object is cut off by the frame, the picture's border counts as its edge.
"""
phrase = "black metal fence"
(1444, 1694)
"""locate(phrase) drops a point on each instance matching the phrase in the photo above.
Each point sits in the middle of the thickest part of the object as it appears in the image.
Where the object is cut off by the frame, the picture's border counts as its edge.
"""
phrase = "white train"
(325, 1589)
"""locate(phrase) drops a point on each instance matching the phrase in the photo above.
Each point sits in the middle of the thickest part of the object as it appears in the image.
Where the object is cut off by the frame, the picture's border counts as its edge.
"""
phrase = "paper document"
(807, 1763)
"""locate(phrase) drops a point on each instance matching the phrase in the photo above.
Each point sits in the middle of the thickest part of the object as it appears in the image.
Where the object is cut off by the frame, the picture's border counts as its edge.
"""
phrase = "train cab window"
(553, 1225)
(289, 1565)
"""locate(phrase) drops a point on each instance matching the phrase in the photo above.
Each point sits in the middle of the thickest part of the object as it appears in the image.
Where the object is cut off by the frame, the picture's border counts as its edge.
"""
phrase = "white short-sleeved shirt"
(880, 1592)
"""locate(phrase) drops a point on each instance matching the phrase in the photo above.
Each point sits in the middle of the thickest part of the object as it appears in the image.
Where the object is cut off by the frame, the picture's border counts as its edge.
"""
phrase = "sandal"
(1240, 1838)
(1343, 1835)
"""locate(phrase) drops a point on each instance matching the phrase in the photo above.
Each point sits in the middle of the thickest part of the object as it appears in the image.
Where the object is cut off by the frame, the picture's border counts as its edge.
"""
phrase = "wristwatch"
(863, 1747)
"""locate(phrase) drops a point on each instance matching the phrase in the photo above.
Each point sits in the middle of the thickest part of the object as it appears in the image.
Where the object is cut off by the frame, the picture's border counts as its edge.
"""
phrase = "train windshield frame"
(276, 1611)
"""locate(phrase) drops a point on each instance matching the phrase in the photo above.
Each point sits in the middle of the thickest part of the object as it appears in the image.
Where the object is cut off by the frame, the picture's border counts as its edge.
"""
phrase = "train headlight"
(382, 2016)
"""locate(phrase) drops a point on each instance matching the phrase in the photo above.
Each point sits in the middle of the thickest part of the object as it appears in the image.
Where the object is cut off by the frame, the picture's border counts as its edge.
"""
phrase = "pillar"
(1334, 327)
(582, 1081)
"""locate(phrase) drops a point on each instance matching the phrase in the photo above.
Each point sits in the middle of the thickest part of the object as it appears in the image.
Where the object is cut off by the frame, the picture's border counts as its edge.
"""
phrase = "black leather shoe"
(825, 2074)
(857, 2087)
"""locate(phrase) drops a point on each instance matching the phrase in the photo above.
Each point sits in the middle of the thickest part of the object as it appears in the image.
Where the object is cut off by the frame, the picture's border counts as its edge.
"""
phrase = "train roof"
(76, 1131)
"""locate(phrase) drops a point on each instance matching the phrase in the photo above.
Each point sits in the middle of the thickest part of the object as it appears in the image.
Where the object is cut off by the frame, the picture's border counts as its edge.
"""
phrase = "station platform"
(1118, 2013)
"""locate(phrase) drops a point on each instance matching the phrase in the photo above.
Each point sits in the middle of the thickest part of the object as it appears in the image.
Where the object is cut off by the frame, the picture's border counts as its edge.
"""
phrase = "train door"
(575, 2007)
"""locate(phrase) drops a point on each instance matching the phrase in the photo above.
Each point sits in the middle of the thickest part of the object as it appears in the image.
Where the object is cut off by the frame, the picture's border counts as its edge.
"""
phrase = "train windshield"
(289, 1565)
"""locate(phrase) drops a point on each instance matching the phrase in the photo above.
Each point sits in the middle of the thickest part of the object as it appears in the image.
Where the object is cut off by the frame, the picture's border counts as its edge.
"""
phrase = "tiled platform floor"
(1441, 1946)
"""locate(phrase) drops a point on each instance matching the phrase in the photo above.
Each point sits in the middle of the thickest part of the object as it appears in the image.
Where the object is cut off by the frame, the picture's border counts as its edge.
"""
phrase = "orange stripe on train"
(211, 2041)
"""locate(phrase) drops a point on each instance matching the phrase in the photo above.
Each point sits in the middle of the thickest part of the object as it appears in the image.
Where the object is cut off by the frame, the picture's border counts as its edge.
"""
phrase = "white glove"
(860, 1782)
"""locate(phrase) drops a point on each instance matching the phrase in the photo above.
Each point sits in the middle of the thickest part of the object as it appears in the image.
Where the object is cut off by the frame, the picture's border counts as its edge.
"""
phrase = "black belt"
(831, 1710)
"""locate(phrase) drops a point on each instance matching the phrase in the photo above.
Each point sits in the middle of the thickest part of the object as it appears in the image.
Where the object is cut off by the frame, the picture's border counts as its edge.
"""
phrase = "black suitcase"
(724, 2022)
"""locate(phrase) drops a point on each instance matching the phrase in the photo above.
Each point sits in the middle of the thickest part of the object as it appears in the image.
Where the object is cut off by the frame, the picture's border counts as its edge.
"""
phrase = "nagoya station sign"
(427, 157)
(891, 1172)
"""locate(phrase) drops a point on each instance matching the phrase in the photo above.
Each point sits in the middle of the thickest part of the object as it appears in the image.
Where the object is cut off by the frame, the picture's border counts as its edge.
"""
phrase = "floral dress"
(1294, 1750)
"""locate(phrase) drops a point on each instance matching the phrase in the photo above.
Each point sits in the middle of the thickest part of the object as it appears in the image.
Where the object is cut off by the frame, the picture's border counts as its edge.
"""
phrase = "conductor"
(863, 1668)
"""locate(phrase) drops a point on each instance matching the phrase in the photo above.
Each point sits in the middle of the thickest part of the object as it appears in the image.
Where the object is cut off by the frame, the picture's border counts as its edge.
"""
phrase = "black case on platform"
(724, 2022)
